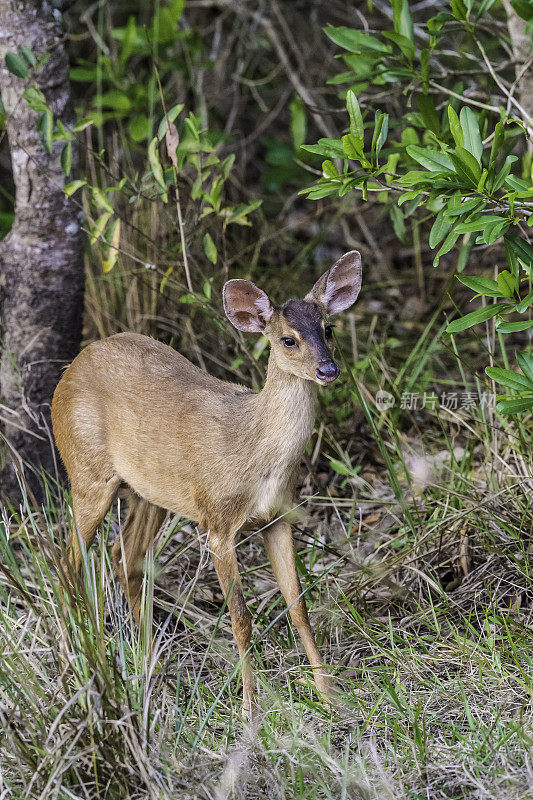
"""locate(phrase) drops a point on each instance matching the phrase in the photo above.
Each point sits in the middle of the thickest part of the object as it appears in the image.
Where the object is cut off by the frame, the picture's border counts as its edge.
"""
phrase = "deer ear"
(247, 307)
(337, 289)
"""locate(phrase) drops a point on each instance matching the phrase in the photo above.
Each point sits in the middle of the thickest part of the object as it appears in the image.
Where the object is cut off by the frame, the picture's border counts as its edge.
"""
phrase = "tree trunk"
(522, 52)
(41, 266)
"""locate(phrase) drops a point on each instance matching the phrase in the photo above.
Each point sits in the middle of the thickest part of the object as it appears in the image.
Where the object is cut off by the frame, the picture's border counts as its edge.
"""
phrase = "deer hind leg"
(89, 506)
(279, 545)
(227, 569)
(136, 537)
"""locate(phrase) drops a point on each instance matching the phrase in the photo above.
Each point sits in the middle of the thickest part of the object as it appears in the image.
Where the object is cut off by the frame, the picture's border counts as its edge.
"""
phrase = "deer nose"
(327, 371)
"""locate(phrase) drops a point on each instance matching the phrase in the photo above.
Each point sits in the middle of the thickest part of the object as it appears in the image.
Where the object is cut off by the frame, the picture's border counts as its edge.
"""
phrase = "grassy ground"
(415, 536)
(417, 562)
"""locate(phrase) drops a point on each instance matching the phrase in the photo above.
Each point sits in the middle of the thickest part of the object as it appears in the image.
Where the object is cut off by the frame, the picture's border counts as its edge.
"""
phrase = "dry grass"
(428, 628)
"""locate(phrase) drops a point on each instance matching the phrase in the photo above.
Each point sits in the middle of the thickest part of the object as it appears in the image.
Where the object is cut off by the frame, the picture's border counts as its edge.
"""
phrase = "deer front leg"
(227, 568)
(279, 545)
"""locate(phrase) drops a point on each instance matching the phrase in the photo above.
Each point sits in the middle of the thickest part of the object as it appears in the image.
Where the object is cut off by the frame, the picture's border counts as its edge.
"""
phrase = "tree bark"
(41, 265)
(522, 52)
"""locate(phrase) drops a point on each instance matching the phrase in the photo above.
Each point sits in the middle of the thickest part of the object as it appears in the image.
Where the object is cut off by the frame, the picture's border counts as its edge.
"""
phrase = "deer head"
(300, 337)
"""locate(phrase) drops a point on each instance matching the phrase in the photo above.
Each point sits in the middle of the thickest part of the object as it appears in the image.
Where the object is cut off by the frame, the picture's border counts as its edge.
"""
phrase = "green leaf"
(17, 65)
(239, 214)
(61, 134)
(188, 298)
(210, 249)
(355, 41)
(481, 315)
(401, 18)
(525, 362)
(329, 170)
(28, 56)
(407, 196)
(497, 142)
(493, 230)
(440, 229)
(405, 45)
(66, 158)
(459, 9)
(112, 236)
(381, 129)
(329, 148)
(352, 146)
(514, 327)
(35, 99)
(140, 127)
(515, 405)
(524, 188)
(418, 178)
(341, 468)
(157, 170)
(171, 115)
(128, 41)
(73, 186)
(227, 165)
(435, 24)
(47, 129)
(357, 128)
(99, 226)
(446, 246)
(509, 378)
(101, 200)
(521, 248)
(483, 179)
(193, 126)
(466, 165)
(484, 286)
(465, 249)
(464, 208)
(115, 99)
(526, 303)
(503, 173)
(479, 223)
(324, 189)
(506, 283)
(176, 9)
(433, 160)
(455, 127)
(298, 123)
(83, 74)
(471, 138)
(426, 107)
(85, 122)
(398, 222)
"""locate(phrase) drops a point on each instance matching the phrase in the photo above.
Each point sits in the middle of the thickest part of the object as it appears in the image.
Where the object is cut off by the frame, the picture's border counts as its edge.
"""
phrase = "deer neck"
(285, 410)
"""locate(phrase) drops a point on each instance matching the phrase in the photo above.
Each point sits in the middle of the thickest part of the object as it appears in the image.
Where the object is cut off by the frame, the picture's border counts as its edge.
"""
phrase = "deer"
(132, 413)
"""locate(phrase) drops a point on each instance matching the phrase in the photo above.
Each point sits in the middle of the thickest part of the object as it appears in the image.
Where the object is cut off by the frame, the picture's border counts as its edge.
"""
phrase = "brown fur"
(130, 410)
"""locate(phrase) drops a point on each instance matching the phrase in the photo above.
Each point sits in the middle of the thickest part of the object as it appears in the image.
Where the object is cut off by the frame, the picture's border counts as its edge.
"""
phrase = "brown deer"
(132, 411)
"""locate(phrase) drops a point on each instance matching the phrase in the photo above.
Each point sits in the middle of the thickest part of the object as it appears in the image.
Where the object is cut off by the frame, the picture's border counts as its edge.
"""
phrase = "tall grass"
(427, 624)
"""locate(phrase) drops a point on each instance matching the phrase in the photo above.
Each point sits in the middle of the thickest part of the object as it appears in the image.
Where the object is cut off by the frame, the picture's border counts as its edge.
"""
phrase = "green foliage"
(131, 88)
(522, 384)
(129, 91)
(447, 159)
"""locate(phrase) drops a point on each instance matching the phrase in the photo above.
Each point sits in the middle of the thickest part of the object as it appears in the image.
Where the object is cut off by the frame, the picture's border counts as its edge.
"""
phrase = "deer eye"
(328, 331)
(288, 341)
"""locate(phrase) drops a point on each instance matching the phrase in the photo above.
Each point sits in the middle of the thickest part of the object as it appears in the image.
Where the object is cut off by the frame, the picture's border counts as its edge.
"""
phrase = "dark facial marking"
(306, 318)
